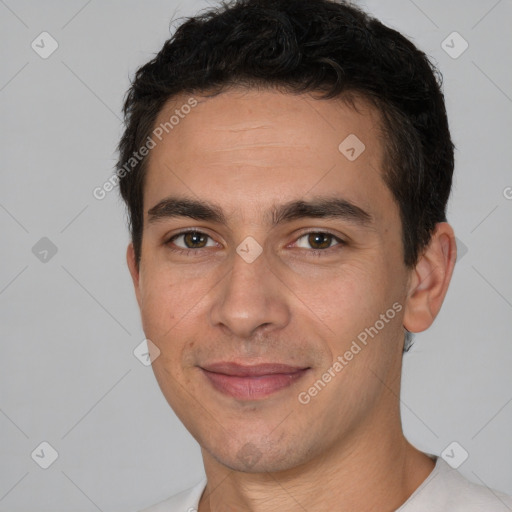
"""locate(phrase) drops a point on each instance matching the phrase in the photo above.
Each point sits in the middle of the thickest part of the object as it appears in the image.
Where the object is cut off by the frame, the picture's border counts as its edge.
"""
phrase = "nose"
(250, 298)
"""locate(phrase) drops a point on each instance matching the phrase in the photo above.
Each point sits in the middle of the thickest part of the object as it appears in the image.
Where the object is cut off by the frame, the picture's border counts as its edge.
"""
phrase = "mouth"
(252, 382)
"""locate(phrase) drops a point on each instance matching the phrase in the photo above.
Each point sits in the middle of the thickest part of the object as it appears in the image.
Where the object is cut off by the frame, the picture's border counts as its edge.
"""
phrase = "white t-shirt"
(444, 490)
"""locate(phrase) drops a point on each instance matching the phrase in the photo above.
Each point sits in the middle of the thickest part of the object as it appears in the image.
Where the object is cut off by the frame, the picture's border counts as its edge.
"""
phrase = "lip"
(252, 382)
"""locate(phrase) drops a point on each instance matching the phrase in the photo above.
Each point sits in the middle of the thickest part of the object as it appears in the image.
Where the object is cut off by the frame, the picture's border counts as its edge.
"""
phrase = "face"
(272, 279)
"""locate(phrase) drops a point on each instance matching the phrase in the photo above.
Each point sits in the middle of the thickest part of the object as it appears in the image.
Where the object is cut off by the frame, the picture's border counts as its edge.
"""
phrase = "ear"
(430, 280)
(134, 271)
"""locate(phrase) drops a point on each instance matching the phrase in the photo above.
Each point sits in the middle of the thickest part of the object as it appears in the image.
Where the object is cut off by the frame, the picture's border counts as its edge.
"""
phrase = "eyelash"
(196, 252)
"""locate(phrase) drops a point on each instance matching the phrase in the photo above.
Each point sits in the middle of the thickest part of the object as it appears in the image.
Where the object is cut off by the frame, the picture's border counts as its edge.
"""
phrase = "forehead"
(243, 147)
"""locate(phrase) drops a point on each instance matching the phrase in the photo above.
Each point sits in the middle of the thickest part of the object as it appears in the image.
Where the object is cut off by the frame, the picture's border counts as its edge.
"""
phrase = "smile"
(251, 382)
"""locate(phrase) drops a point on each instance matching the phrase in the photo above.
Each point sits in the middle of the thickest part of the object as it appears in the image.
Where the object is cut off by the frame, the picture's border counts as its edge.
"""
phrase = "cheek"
(348, 306)
(158, 308)
(171, 303)
(349, 297)
(165, 305)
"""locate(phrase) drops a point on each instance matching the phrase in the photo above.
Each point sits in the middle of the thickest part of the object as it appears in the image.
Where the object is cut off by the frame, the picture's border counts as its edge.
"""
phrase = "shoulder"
(185, 501)
(447, 490)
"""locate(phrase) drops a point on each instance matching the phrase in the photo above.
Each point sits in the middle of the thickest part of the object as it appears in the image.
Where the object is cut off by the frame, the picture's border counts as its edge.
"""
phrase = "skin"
(247, 151)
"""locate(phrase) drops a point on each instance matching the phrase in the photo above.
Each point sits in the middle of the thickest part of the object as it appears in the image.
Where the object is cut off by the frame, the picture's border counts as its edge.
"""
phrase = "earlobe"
(430, 280)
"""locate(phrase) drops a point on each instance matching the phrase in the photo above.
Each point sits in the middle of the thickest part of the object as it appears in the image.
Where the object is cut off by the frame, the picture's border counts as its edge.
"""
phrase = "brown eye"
(194, 239)
(191, 240)
(318, 241)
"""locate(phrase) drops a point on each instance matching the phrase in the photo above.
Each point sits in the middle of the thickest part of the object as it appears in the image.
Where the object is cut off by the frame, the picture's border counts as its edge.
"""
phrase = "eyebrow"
(323, 207)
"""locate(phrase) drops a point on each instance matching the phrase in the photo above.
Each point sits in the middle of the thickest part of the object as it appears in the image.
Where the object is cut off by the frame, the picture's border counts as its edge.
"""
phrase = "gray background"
(69, 324)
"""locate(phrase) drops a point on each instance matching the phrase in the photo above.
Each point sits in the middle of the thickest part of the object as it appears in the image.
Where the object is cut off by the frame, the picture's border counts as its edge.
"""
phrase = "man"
(286, 167)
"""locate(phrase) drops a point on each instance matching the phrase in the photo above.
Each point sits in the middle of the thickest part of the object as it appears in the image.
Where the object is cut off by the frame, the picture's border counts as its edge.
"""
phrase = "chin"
(260, 457)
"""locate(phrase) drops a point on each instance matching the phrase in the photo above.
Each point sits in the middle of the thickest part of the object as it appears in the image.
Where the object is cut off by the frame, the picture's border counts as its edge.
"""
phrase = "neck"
(369, 470)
